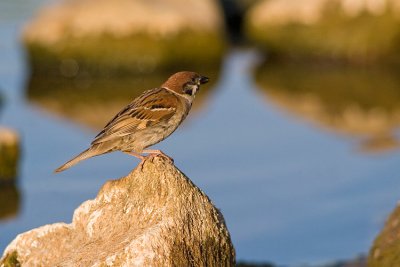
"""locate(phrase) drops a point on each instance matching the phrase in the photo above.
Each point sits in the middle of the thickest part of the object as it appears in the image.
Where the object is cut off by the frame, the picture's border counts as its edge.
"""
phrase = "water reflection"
(360, 102)
(92, 101)
(10, 199)
(1, 100)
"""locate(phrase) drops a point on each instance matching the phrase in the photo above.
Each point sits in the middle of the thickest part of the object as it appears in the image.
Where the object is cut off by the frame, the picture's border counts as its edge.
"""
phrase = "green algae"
(11, 260)
(108, 55)
(385, 251)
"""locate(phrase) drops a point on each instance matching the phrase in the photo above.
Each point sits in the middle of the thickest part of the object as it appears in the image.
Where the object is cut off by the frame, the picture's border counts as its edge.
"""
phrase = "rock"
(117, 37)
(334, 30)
(386, 248)
(9, 155)
(155, 216)
(11, 260)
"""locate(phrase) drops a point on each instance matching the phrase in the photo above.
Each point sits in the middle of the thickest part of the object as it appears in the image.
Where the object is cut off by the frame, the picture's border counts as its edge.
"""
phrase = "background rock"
(107, 37)
(155, 216)
(338, 30)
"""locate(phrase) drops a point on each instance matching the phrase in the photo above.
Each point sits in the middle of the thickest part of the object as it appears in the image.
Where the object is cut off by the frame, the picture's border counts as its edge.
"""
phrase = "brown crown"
(178, 80)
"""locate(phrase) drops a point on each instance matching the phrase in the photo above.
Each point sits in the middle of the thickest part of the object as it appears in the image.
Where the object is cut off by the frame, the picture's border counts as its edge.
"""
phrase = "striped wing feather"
(153, 107)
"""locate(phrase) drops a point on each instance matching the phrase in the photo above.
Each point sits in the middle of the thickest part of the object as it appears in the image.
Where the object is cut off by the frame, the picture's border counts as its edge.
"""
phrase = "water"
(293, 188)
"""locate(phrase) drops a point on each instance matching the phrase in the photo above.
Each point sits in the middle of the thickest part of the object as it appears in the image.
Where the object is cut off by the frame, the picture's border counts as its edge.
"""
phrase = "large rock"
(386, 248)
(356, 31)
(155, 216)
(106, 37)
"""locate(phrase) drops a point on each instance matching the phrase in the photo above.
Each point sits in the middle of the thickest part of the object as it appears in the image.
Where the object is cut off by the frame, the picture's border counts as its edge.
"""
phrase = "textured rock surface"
(102, 36)
(342, 30)
(155, 216)
(386, 248)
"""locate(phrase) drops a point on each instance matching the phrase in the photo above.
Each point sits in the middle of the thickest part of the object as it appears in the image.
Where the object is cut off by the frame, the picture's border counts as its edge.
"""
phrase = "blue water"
(291, 193)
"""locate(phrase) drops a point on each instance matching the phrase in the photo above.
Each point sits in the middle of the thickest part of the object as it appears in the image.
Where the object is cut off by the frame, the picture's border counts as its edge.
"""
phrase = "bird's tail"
(88, 153)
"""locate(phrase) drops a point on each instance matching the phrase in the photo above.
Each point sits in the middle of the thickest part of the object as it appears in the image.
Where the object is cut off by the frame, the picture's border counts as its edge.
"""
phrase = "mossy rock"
(123, 37)
(386, 248)
(326, 30)
(106, 56)
(10, 260)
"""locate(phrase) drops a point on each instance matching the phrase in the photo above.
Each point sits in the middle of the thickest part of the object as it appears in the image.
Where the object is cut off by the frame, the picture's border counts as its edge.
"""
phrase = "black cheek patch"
(189, 91)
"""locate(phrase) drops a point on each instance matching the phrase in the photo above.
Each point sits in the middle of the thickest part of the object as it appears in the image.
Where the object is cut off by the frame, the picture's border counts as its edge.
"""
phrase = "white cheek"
(195, 89)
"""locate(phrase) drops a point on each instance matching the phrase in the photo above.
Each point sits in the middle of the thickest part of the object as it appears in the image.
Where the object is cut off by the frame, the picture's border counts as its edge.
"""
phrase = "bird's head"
(185, 83)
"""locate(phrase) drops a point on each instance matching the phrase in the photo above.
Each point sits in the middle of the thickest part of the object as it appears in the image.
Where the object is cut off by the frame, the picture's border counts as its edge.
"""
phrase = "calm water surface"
(291, 192)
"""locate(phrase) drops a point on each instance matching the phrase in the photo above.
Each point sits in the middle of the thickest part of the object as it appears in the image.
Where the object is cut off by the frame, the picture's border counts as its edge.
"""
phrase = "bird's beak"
(204, 79)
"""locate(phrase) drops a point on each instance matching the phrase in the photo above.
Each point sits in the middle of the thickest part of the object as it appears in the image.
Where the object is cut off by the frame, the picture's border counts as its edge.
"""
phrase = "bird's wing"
(151, 108)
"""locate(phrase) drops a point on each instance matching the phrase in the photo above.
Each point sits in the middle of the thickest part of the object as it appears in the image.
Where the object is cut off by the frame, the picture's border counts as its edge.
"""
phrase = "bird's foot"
(155, 152)
(136, 155)
(151, 154)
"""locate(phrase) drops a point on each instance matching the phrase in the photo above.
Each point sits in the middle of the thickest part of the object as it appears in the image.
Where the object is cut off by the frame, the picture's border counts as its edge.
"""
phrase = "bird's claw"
(160, 154)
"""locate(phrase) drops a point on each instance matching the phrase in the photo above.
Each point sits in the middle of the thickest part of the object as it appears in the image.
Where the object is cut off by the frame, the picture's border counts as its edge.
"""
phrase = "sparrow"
(147, 120)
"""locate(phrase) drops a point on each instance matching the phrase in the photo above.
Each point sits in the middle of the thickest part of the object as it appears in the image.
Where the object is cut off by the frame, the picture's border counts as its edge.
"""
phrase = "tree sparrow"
(147, 120)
